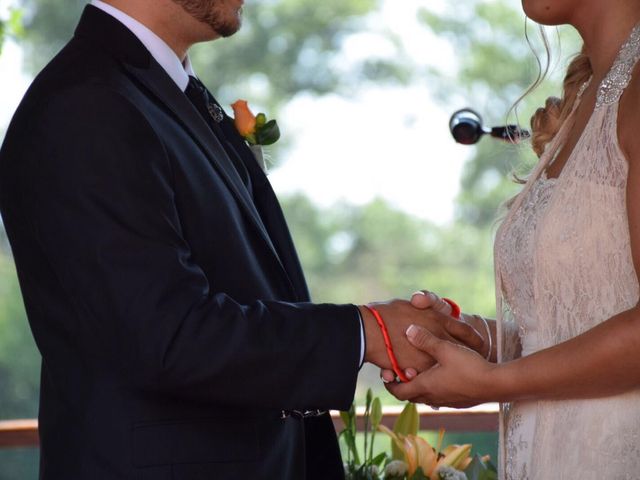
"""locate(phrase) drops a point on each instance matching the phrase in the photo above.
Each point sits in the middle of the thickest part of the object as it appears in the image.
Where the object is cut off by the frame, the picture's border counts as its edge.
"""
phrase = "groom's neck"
(169, 21)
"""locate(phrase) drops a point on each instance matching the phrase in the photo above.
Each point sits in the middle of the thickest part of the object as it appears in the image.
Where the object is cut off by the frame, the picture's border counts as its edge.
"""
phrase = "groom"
(160, 281)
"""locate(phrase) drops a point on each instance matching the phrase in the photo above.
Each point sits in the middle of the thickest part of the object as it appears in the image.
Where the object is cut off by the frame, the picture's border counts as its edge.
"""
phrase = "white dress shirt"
(178, 70)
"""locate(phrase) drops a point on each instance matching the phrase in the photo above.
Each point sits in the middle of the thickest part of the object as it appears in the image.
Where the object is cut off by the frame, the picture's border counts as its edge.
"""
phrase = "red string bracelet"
(455, 308)
(387, 343)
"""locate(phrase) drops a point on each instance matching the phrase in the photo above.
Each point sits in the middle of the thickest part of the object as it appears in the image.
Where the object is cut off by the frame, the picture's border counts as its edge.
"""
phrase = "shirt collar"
(159, 50)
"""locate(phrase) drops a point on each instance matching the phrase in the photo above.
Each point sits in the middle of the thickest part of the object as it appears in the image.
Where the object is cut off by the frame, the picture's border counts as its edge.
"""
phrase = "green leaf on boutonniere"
(261, 119)
(268, 134)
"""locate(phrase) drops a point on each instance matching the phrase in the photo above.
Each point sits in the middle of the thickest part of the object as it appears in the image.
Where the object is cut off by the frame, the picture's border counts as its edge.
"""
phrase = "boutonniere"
(255, 129)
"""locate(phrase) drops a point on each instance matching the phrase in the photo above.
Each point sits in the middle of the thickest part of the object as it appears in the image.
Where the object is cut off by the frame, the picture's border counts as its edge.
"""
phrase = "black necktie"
(213, 115)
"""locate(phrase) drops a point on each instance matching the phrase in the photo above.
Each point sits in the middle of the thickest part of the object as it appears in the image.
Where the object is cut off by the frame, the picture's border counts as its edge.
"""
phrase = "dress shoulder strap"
(619, 76)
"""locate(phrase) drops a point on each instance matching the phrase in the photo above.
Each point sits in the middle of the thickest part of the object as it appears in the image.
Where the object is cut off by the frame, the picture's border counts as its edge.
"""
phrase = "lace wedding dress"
(563, 265)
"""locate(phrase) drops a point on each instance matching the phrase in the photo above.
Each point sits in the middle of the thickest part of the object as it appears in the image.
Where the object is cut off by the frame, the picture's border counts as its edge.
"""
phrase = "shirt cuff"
(362, 339)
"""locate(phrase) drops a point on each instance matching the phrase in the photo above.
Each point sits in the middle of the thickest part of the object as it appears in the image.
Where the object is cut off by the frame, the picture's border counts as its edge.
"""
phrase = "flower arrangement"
(411, 457)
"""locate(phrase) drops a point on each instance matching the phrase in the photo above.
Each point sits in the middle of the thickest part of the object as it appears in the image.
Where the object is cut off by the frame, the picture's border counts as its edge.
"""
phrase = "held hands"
(430, 313)
(461, 376)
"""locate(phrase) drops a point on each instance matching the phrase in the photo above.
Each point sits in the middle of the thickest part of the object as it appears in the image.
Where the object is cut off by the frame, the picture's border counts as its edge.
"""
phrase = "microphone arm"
(466, 128)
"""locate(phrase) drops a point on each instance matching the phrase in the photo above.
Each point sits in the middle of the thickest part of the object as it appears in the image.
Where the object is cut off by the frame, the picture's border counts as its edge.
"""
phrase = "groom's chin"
(230, 27)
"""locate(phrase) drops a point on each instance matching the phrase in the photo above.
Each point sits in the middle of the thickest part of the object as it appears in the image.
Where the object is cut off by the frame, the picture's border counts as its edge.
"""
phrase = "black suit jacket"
(166, 299)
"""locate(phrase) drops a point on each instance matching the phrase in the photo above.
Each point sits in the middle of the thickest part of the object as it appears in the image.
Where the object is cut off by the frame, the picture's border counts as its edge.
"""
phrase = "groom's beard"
(223, 16)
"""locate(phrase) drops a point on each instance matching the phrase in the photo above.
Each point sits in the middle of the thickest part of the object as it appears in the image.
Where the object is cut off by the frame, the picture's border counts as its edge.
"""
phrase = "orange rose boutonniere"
(255, 129)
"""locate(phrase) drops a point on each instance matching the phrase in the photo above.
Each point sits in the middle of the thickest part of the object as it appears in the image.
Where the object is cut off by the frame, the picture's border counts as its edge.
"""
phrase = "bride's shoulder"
(629, 119)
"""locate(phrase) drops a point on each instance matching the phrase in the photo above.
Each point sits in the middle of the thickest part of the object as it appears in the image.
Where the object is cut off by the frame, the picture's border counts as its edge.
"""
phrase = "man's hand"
(398, 315)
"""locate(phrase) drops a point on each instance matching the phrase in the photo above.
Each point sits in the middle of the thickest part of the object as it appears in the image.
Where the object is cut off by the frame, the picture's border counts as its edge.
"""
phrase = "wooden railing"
(484, 418)
(19, 433)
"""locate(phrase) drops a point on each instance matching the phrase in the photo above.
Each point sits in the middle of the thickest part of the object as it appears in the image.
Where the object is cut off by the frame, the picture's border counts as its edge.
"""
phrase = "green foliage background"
(350, 254)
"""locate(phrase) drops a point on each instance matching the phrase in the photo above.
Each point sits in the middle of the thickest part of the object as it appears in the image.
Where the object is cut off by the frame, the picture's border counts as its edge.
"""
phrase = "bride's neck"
(605, 31)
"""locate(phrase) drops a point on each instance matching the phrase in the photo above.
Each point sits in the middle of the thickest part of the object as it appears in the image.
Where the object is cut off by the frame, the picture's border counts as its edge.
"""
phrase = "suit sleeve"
(93, 186)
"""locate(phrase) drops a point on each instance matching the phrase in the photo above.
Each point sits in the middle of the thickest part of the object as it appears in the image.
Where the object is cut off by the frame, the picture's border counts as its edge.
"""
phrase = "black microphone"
(466, 128)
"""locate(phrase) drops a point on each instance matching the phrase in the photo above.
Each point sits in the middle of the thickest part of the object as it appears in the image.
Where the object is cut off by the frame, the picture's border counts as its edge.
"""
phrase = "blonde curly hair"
(547, 120)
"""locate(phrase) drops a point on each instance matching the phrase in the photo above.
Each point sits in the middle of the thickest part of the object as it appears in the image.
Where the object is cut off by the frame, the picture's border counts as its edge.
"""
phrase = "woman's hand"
(461, 378)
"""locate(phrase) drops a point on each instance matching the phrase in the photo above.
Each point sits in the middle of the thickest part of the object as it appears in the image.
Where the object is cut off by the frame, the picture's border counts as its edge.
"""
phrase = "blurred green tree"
(356, 254)
(11, 25)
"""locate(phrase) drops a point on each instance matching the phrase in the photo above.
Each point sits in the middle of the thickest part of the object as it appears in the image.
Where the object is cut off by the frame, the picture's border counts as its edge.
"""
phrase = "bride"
(567, 256)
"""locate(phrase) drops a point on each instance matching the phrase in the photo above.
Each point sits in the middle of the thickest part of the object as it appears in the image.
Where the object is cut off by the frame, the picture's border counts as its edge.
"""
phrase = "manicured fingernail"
(419, 292)
(412, 331)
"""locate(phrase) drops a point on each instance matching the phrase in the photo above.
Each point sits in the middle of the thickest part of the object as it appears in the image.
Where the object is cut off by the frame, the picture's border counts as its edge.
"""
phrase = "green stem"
(356, 457)
(366, 430)
(373, 438)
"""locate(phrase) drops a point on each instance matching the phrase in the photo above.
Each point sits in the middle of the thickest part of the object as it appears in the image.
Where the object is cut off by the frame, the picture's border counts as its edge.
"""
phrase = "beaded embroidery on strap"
(619, 76)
